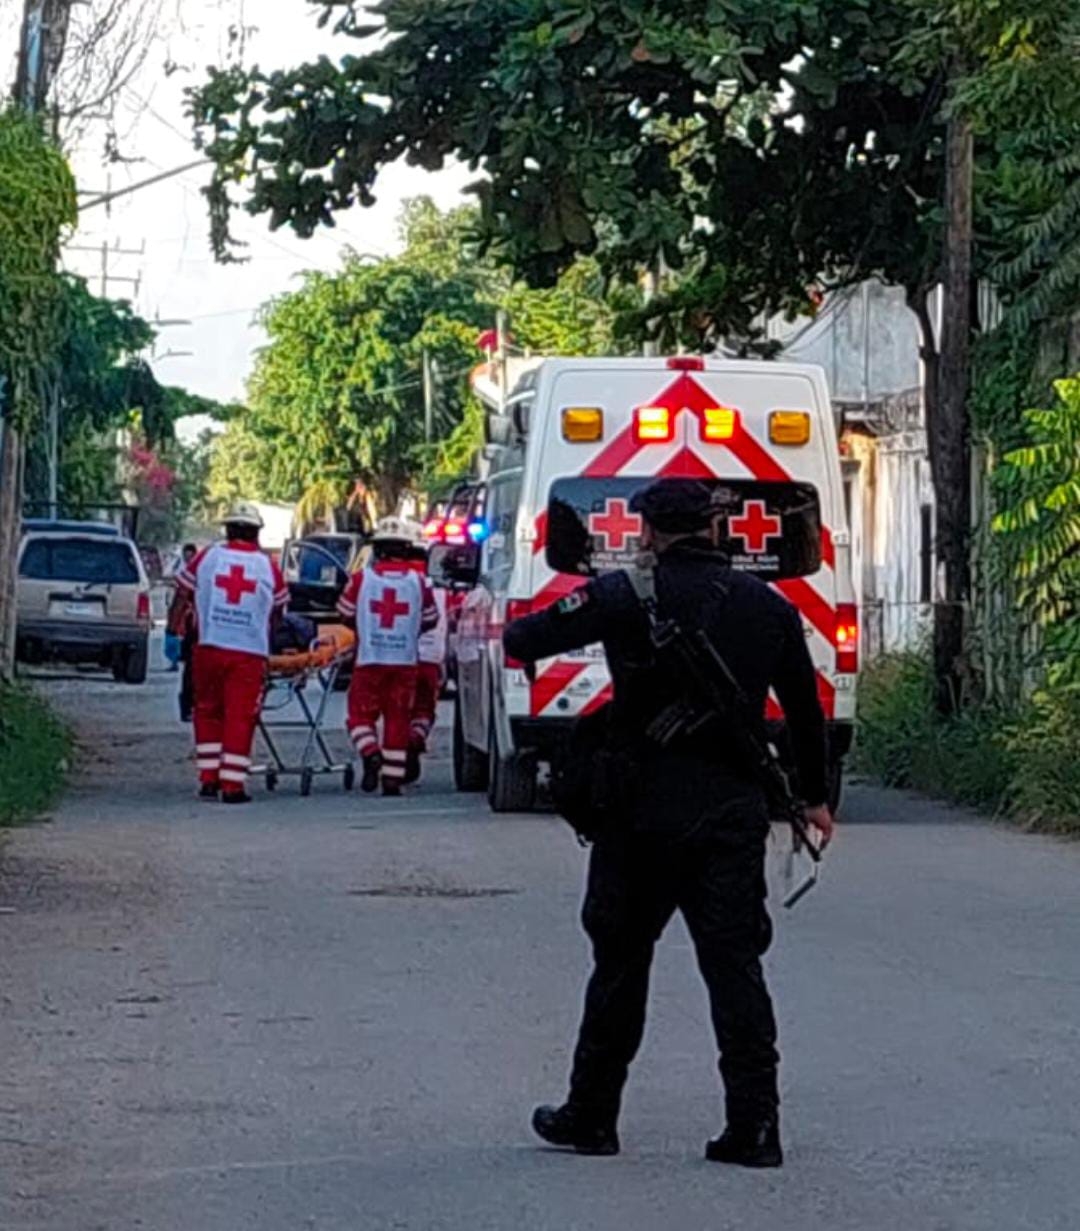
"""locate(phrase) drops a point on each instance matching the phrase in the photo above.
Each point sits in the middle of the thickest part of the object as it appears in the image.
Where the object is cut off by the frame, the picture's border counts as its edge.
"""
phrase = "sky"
(179, 279)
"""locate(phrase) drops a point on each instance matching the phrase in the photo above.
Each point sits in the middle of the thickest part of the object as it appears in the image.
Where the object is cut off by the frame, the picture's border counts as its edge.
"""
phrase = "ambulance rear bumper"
(542, 738)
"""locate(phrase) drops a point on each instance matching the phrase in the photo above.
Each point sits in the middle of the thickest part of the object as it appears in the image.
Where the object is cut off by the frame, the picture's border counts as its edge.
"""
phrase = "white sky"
(179, 278)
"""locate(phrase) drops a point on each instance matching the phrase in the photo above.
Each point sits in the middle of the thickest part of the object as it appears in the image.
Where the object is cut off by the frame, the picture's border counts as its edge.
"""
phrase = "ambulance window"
(500, 517)
(772, 530)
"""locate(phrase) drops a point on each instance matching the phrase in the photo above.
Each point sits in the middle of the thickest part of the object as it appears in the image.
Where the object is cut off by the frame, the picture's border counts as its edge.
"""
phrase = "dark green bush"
(968, 759)
(1045, 748)
(35, 748)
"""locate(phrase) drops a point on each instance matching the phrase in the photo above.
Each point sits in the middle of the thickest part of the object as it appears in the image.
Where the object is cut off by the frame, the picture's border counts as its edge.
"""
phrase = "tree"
(37, 204)
(753, 148)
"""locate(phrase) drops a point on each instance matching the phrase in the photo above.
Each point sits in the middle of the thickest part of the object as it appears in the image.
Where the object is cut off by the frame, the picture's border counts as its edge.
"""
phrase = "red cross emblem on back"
(615, 525)
(387, 608)
(235, 584)
(755, 527)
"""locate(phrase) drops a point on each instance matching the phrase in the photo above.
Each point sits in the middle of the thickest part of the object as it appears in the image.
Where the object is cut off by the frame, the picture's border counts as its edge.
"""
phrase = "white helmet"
(398, 530)
(244, 513)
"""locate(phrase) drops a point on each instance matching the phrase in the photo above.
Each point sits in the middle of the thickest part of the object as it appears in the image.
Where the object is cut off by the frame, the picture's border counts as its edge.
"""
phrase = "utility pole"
(949, 435)
(41, 49)
(107, 253)
(429, 398)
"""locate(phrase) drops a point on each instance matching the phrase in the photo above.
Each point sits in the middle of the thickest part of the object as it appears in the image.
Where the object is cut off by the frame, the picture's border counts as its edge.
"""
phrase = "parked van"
(83, 596)
(580, 439)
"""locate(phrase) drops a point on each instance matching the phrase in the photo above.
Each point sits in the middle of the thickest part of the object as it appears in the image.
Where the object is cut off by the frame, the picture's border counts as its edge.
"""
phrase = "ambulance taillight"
(654, 425)
(516, 608)
(142, 608)
(847, 639)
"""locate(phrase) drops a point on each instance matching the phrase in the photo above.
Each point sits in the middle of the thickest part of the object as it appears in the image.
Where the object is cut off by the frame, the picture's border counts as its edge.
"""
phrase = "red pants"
(382, 692)
(228, 695)
(428, 679)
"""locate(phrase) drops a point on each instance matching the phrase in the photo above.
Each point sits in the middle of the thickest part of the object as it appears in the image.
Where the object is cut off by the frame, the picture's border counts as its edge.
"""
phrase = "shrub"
(1045, 749)
(34, 750)
(967, 759)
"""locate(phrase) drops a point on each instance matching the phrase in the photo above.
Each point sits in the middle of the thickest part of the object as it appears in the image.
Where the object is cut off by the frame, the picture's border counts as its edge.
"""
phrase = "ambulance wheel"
(470, 766)
(307, 777)
(348, 778)
(511, 780)
(271, 780)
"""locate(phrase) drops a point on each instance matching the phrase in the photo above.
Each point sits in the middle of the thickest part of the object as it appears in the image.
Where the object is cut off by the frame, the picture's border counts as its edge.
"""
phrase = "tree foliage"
(1040, 513)
(337, 395)
(37, 205)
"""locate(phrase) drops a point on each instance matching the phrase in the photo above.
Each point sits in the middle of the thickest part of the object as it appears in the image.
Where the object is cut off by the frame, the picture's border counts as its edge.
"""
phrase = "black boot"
(391, 787)
(209, 790)
(565, 1126)
(372, 769)
(412, 764)
(748, 1145)
(235, 797)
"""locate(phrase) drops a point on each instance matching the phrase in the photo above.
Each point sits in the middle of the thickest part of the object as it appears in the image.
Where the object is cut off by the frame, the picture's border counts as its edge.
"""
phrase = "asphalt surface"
(336, 1014)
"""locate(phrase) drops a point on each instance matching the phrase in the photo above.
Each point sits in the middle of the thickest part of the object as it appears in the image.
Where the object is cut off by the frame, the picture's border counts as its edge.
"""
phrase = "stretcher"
(290, 680)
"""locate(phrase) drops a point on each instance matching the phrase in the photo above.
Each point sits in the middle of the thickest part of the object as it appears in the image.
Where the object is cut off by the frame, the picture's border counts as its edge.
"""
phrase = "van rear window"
(84, 561)
(771, 529)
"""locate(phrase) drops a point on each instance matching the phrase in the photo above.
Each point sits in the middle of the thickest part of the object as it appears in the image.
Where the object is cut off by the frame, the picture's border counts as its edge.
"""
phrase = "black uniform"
(692, 835)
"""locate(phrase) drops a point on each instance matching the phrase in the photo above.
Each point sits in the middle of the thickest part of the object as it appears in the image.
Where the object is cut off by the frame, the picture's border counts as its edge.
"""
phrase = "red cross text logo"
(755, 527)
(615, 525)
(235, 583)
(388, 608)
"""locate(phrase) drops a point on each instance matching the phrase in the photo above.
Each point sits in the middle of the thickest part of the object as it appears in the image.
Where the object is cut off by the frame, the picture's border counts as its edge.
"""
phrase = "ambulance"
(578, 438)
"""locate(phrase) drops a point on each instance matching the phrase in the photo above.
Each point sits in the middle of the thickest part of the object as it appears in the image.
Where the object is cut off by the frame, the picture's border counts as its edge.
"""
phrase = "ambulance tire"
(470, 765)
(834, 785)
(511, 780)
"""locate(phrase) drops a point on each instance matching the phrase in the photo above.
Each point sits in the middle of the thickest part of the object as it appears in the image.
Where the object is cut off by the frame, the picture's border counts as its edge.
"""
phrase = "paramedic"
(391, 606)
(692, 829)
(236, 591)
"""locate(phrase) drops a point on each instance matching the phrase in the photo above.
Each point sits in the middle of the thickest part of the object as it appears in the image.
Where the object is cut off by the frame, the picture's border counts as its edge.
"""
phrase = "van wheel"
(834, 785)
(470, 765)
(511, 780)
(135, 664)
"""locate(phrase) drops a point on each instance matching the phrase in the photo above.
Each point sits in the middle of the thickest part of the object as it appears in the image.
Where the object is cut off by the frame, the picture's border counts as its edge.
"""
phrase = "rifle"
(714, 695)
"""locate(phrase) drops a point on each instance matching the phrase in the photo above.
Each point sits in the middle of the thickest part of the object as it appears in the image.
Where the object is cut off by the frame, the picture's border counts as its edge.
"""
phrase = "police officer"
(692, 827)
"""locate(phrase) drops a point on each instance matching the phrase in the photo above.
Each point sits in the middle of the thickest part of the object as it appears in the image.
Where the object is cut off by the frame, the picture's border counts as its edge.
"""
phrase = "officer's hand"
(821, 819)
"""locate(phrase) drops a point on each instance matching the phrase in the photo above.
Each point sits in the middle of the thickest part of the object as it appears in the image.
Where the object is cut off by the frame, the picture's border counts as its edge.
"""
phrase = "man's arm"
(796, 688)
(429, 613)
(570, 624)
(350, 596)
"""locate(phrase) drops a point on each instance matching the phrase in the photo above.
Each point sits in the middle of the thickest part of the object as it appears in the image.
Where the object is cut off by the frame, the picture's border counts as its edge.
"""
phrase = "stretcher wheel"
(271, 780)
(306, 779)
(348, 778)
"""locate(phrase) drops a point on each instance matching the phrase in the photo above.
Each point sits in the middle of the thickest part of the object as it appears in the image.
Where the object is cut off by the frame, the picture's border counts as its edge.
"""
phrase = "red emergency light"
(515, 609)
(653, 425)
(847, 639)
(686, 363)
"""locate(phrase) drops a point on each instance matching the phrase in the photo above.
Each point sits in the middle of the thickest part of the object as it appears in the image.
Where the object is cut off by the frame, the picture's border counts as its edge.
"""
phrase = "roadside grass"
(1022, 764)
(35, 753)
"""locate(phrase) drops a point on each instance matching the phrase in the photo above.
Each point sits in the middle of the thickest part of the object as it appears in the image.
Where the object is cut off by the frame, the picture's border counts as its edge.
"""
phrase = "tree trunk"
(948, 428)
(10, 513)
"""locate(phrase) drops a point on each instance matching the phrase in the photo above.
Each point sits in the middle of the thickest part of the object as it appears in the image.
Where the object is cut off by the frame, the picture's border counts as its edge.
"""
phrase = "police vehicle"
(579, 437)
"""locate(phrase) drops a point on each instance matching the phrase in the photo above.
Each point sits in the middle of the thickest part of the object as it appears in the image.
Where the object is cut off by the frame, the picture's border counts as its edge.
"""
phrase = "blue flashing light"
(478, 530)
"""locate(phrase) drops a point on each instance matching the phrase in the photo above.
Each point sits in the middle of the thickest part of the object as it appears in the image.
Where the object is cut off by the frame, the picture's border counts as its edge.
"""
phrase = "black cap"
(676, 506)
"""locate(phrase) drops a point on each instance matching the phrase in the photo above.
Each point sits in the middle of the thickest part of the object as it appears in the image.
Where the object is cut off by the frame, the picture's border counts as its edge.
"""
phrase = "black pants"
(636, 883)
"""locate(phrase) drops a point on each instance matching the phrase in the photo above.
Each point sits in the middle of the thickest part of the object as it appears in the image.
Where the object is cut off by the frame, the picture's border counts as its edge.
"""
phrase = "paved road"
(336, 1014)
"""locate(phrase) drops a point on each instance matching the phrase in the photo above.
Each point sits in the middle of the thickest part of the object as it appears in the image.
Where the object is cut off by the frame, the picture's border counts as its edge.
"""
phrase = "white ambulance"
(580, 437)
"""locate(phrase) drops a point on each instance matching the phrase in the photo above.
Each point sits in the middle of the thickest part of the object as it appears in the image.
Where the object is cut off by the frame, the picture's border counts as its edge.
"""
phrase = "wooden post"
(10, 509)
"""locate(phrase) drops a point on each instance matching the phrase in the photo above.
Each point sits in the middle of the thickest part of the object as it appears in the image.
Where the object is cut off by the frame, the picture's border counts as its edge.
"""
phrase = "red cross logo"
(615, 525)
(236, 584)
(755, 527)
(388, 608)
